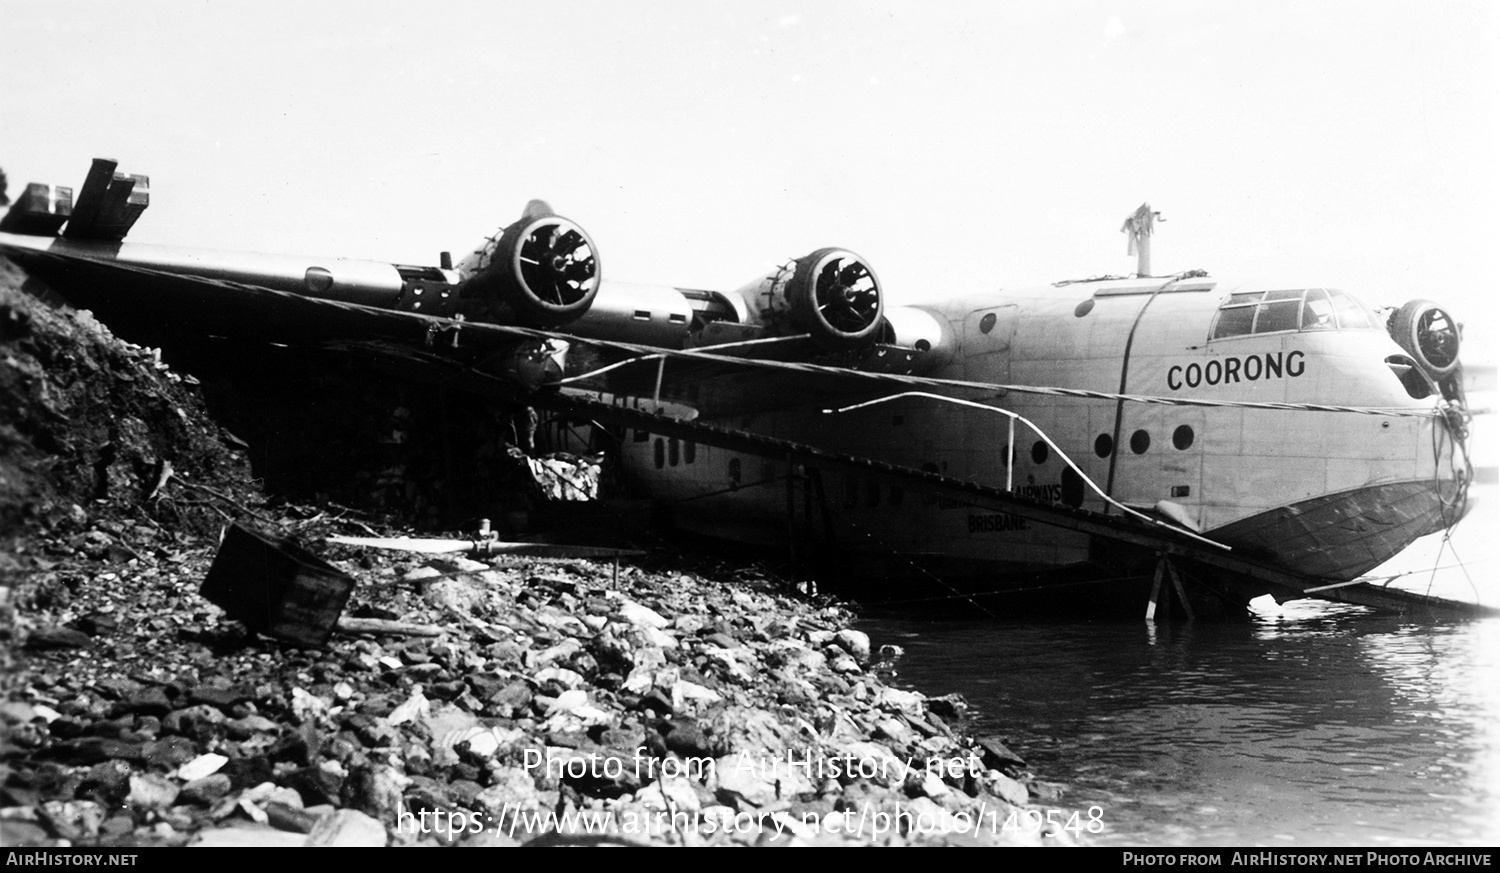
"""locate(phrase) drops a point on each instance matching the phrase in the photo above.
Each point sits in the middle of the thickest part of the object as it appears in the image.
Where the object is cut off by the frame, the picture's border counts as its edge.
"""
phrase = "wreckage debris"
(276, 587)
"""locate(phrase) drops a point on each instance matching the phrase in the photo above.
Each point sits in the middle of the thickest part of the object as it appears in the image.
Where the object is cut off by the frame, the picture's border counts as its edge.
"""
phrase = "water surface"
(1312, 725)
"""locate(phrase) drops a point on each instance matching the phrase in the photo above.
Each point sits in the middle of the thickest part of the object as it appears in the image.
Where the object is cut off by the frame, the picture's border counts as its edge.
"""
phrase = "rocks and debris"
(503, 701)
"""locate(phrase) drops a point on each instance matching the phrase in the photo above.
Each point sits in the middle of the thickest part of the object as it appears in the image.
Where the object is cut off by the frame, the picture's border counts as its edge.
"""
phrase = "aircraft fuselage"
(1330, 493)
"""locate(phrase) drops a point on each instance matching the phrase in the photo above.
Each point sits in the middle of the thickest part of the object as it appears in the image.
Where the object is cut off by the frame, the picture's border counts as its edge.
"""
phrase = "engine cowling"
(1429, 334)
(927, 336)
(831, 294)
(542, 271)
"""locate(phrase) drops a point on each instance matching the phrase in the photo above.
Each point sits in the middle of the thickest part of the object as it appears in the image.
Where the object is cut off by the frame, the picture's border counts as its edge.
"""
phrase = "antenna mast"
(1138, 227)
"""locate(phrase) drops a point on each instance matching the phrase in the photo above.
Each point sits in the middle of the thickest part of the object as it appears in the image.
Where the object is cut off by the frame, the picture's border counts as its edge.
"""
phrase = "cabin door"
(1160, 458)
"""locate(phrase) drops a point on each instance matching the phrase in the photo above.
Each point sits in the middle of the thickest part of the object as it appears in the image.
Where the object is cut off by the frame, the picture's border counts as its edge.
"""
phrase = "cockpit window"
(1249, 312)
(1351, 314)
(1279, 311)
(1317, 311)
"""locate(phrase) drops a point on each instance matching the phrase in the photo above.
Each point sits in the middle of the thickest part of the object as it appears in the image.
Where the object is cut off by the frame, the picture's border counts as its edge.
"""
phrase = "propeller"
(846, 295)
(557, 262)
(541, 271)
(832, 295)
(1437, 336)
(1429, 334)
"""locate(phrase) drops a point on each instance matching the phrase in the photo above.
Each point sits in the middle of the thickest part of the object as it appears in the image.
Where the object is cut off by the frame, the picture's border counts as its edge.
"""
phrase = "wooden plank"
(39, 211)
(1151, 605)
(126, 199)
(388, 627)
(90, 199)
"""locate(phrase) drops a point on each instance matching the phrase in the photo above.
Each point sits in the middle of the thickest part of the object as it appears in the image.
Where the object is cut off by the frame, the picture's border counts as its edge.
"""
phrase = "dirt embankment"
(664, 702)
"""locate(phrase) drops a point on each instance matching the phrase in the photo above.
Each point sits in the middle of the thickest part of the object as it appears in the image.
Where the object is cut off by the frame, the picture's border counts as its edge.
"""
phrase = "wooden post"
(1155, 592)
(1181, 592)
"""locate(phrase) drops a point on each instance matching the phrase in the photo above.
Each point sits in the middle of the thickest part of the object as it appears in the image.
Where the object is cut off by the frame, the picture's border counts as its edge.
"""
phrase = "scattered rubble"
(461, 702)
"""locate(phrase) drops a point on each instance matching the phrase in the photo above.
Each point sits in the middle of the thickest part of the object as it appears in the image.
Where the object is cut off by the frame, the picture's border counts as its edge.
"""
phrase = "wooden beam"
(90, 200)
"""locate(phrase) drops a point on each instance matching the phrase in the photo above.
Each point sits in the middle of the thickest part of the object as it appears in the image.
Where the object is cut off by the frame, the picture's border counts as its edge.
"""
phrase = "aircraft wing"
(156, 306)
(813, 329)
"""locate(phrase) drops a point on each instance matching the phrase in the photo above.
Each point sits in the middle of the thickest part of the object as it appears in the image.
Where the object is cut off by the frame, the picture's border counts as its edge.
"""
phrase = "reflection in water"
(1320, 726)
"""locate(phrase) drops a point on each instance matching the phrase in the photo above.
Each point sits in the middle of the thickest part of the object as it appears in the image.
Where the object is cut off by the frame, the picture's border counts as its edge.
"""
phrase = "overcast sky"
(960, 147)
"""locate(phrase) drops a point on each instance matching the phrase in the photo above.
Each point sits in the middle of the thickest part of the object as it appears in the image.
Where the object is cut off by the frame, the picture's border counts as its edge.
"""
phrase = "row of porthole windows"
(671, 451)
(1140, 442)
(674, 451)
(1104, 444)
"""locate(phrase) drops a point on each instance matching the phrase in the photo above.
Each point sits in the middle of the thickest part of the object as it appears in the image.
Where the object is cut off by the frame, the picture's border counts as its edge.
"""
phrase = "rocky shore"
(666, 700)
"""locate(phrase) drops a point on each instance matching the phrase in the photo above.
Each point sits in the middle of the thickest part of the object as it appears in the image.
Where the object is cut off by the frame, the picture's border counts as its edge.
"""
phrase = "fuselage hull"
(1249, 439)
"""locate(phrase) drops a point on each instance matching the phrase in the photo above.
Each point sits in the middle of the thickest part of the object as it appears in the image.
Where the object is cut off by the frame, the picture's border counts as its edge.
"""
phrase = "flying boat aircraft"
(1102, 441)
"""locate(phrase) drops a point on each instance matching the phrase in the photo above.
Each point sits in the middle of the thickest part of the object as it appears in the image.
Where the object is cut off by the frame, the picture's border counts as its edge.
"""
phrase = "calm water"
(1313, 725)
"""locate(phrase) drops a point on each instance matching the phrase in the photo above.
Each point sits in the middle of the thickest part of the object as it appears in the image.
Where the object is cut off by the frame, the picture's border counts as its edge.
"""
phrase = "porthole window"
(872, 494)
(1182, 437)
(734, 474)
(661, 453)
(987, 323)
(689, 451)
(851, 493)
(1103, 445)
(1039, 452)
(1140, 441)
(674, 452)
(1084, 308)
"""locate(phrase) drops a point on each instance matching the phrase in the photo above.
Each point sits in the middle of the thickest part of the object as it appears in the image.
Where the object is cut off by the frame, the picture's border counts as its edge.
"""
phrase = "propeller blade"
(579, 271)
(566, 243)
(853, 274)
(496, 547)
(407, 544)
